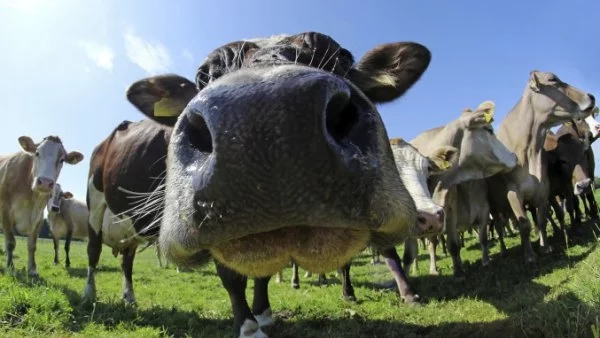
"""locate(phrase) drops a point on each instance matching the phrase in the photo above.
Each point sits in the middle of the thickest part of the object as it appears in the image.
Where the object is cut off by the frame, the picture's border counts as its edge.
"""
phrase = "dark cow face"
(282, 154)
(572, 160)
(555, 101)
(49, 156)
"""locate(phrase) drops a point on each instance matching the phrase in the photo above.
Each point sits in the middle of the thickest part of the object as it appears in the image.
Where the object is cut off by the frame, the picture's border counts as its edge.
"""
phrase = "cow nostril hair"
(421, 220)
(340, 116)
(198, 133)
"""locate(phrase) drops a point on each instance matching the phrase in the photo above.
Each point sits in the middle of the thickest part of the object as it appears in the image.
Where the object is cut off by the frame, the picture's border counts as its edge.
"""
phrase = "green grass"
(558, 297)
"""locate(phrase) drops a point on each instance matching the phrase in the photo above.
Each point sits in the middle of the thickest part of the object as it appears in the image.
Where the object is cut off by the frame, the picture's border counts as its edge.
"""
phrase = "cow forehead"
(409, 156)
(51, 147)
(269, 41)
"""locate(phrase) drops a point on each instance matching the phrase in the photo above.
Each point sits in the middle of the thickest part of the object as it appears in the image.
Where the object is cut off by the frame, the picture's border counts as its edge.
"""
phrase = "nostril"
(51, 185)
(340, 116)
(38, 182)
(197, 132)
(421, 220)
(440, 215)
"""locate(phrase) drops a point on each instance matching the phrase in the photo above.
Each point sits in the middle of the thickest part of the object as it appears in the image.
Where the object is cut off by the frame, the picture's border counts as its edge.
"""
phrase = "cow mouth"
(317, 249)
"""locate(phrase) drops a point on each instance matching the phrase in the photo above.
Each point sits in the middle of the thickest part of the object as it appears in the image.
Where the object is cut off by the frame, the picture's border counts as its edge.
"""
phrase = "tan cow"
(481, 155)
(67, 218)
(546, 102)
(26, 182)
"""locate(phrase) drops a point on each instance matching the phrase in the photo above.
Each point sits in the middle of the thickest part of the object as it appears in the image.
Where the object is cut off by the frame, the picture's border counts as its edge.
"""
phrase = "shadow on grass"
(82, 272)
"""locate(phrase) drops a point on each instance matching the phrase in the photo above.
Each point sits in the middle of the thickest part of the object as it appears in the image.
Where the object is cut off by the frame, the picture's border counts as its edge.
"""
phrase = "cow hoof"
(307, 274)
(129, 299)
(89, 294)
(34, 275)
(56, 262)
(350, 298)
(504, 253)
(250, 329)
(67, 265)
(459, 274)
(546, 249)
(265, 318)
(295, 285)
(412, 300)
(434, 273)
(485, 262)
(530, 259)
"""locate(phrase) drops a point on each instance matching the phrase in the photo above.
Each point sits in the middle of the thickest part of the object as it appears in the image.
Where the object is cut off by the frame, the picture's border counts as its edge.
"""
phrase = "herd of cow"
(277, 154)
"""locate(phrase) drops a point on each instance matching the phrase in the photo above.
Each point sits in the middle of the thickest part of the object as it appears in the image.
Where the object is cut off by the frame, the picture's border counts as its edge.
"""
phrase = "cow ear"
(162, 98)
(388, 71)
(443, 159)
(27, 144)
(67, 195)
(74, 157)
(534, 81)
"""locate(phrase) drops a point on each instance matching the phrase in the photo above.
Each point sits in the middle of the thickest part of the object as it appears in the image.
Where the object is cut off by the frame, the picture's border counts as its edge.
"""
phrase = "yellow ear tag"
(490, 108)
(568, 123)
(164, 108)
(444, 165)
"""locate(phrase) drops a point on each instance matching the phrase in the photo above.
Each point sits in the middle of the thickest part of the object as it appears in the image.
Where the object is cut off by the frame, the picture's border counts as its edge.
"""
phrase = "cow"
(282, 156)
(568, 170)
(546, 101)
(67, 218)
(460, 191)
(124, 193)
(414, 169)
(26, 182)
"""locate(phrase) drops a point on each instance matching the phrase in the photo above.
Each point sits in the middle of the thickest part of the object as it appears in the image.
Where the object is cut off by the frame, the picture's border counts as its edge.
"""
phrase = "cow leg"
(586, 208)
(500, 224)
(559, 213)
(432, 256)
(577, 210)
(94, 249)
(347, 288)
(593, 205)
(483, 241)
(442, 240)
(571, 210)
(31, 248)
(541, 216)
(411, 249)
(454, 242)
(10, 243)
(295, 278)
(55, 241)
(516, 204)
(261, 308)
(244, 322)
(158, 255)
(68, 247)
(322, 279)
(128, 256)
(392, 260)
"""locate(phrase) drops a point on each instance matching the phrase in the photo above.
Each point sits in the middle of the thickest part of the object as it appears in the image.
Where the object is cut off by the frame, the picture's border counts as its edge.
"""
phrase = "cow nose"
(272, 126)
(44, 184)
(430, 223)
(593, 99)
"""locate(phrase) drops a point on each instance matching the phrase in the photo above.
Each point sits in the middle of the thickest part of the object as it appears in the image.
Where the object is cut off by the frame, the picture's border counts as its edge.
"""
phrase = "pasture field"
(559, 297)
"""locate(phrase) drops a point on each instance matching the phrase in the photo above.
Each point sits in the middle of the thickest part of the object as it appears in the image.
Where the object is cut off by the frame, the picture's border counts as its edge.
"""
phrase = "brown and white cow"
(124, 194)
(26, 182)
(546, 101)
(68, 219)
(461, 190)
(282, 156)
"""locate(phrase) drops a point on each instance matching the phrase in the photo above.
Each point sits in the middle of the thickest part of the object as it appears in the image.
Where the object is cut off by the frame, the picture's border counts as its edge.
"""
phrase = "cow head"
(58, 195)
(554, 101)
(481, 154)
(282, 145)
(49, 156)
(414, 169)
(572, 160)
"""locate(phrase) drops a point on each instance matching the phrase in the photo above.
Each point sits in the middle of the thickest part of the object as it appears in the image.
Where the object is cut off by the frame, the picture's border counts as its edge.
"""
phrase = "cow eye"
(37, 154)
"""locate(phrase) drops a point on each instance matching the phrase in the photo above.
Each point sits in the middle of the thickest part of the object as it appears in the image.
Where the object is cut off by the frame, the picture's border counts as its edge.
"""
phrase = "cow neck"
(522, 134)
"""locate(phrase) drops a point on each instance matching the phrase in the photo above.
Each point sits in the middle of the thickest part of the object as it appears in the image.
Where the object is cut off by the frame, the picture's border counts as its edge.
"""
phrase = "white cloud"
(187, 54)
(24, 5)
(102, 55)
(151, 57)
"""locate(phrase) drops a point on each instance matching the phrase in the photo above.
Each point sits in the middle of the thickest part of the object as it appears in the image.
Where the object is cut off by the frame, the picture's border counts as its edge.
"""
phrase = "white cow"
(67, 218)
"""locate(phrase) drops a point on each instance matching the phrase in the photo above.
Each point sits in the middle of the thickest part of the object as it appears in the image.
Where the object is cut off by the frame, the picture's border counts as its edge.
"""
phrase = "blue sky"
(65, 64)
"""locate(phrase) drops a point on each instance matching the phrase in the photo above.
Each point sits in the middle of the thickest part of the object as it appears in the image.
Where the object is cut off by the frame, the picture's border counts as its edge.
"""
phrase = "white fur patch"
(593, 125)
(265, 318)
(250, 329)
